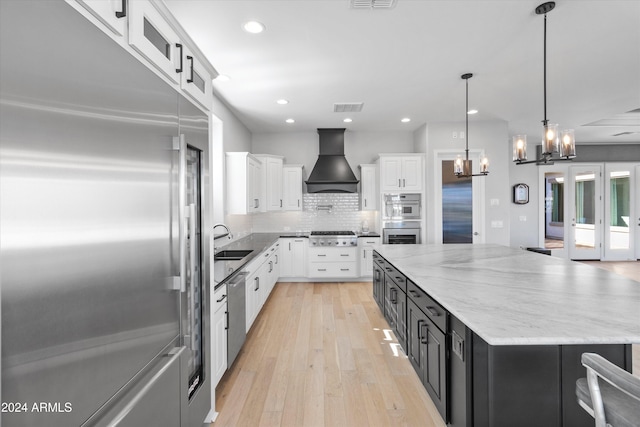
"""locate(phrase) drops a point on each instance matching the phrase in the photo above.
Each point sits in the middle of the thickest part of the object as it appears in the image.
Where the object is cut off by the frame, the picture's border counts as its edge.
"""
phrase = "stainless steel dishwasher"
(236, 332)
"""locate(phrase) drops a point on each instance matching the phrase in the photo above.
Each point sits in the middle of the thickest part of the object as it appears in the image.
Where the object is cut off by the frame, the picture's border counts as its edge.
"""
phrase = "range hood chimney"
(332, 173)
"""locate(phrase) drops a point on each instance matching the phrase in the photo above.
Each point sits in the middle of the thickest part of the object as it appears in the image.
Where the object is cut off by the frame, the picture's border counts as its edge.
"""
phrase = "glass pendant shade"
(519, 148)
(484, 165)
(550, 139)
(568, 144)
(457, 166)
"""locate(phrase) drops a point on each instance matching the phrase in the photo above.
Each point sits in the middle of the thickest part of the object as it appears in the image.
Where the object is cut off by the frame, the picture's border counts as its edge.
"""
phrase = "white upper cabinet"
(148, 30)
(243, 179)
(195, 79)
(271, 182)
(369, 187)
(292, 187)
(112, 13)
(154, 38)
(401, 172)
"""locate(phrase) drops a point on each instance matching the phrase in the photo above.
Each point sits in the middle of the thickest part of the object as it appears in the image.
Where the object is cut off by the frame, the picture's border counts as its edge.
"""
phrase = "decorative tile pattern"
(321, 211)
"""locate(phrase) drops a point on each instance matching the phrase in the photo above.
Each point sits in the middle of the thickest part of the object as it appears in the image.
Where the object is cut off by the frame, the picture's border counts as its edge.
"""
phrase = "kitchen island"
(514, 325)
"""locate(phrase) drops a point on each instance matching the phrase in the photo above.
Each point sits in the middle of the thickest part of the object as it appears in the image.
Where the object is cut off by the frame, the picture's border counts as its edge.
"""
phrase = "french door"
(620, 194)
(591, 211)
(585, 212)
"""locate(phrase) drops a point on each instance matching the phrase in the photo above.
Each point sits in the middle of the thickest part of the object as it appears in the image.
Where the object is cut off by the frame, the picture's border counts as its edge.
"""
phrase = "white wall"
(235, 137)
(525, 219)
(359, 147)
(490, 136)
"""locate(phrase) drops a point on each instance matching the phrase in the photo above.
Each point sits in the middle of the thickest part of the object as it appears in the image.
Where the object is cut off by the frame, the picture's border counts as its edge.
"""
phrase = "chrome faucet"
(227, 234)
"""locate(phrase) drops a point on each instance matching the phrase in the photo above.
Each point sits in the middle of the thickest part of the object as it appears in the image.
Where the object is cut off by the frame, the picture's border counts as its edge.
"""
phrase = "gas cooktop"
(332, 233)
(333, 238)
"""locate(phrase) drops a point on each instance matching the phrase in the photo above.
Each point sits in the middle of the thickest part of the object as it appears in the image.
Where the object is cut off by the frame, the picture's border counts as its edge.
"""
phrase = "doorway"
(457, 206)
(458, 202)
(590, 211)
(619, 212)
(585, 208)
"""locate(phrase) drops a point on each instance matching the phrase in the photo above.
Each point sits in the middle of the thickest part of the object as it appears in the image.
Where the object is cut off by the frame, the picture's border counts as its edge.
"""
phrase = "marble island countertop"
(513, 297)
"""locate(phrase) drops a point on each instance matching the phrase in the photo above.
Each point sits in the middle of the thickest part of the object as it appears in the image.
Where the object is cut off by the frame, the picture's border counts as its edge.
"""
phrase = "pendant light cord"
(466, 113)
(545, 121)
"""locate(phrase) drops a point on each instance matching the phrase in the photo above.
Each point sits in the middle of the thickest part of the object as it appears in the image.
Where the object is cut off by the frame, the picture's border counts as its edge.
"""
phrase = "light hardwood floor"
(321, 354)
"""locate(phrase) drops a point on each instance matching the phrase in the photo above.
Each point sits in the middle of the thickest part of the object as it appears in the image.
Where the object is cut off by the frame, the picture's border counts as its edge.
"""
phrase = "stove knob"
(353, 243)
(322, 242)
(337, 243)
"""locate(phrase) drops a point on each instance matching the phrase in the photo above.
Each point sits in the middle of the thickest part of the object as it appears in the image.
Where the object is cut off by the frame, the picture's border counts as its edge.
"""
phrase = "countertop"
(510, 296)
(257, 242)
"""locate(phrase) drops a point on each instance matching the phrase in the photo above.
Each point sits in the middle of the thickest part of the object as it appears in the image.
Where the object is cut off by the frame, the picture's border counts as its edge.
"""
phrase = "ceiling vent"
(372, 4)
(348, 107)
(624, 133)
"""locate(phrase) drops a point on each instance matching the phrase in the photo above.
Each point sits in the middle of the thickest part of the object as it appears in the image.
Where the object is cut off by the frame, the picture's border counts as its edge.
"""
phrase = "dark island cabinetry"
(474, 383)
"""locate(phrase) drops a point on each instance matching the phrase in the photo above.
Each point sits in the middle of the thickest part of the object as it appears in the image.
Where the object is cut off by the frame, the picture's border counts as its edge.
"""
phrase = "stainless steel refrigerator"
(104, 240)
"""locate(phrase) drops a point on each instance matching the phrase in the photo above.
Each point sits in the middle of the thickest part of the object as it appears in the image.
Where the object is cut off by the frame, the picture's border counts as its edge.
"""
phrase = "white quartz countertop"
(510, 296)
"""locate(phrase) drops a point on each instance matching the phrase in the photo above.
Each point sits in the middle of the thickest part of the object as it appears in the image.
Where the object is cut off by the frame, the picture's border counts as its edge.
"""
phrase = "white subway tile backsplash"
(344, 214)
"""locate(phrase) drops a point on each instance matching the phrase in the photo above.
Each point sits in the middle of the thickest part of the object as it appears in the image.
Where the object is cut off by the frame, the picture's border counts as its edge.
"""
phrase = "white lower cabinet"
(365, 250)
(219, 326)
(333, 262)
(293, 254)
(260, 282)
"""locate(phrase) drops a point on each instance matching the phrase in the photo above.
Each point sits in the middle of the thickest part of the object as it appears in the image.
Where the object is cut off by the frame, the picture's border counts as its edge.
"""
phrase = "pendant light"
(551, 141)
(462, 167)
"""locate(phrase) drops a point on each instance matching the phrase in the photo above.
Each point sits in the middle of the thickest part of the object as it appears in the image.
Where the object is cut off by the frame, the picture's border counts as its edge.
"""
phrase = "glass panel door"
(457, 206)
(618, 211)
(586, 207)
(554, 210)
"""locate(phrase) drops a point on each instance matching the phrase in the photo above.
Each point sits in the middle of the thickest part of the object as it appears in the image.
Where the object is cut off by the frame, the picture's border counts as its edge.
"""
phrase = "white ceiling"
(407, 62)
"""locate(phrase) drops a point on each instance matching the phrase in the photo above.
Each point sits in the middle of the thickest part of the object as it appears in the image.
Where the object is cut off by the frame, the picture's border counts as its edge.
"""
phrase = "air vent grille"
(372, 4)
(624, 133)
(348, 107)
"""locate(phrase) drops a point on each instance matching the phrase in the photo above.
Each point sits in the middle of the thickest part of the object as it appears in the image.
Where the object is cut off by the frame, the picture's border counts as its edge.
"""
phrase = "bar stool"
(609, 394)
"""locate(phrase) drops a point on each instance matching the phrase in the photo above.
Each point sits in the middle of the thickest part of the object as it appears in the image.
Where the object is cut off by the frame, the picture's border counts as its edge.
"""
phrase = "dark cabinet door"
(401, 320)
(390, 302)
(378, 286)
(427, 352)
(433, 346)
(415, 320)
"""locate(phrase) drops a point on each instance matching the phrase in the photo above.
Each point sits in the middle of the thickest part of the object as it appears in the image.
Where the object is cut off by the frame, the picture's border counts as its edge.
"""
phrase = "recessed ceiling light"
(347, 120)
(282, 102)
(406, 120)
(253, 27)
(472, 112)
(222, 78)
(290, 121)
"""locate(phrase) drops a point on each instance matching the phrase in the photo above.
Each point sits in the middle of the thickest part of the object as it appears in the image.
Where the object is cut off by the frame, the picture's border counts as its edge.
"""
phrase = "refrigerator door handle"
(180, 281)
(191, 214)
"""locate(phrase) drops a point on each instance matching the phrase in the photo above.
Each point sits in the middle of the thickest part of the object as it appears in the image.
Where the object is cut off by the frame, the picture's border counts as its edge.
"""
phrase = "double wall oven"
(401, 218)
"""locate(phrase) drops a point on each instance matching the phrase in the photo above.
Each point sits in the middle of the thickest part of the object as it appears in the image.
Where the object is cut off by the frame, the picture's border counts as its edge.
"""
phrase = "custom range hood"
(332, 173)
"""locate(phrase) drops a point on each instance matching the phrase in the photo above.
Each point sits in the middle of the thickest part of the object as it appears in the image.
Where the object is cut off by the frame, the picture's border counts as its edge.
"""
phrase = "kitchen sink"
(231, 255)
